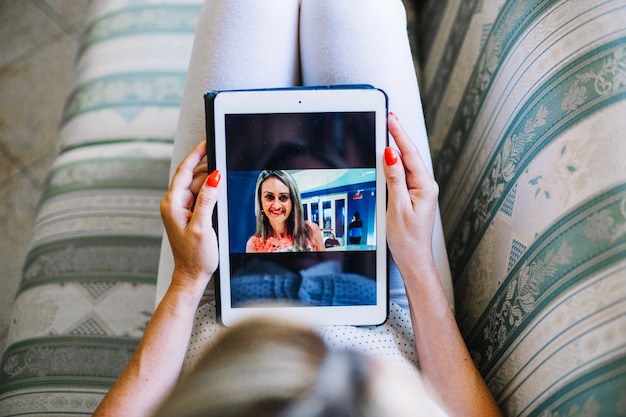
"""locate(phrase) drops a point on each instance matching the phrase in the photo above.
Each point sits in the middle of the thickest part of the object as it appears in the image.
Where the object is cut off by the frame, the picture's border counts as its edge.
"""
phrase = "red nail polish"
(391, 157)
(213, 179)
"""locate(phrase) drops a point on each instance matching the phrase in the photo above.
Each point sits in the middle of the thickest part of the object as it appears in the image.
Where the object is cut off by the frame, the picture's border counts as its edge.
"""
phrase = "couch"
(524, 103)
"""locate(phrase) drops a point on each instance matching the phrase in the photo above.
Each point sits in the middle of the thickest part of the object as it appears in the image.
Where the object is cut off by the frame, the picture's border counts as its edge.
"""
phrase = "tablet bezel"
(299, 100)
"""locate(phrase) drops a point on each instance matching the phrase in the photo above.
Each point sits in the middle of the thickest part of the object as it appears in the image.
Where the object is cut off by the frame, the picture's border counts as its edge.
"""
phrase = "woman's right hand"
(154, 368)
(412, 201)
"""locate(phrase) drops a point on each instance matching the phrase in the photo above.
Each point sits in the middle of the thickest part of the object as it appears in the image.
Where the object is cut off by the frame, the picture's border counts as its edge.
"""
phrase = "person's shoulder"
(314, 227)
(252, 244)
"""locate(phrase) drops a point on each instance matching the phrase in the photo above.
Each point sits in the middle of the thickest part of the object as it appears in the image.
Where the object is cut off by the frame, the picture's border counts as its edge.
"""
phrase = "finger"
(205, 202)
(411, 158)
(177, 202)
(200, 174)
(202, 168)
(395, 176)
(183, 176)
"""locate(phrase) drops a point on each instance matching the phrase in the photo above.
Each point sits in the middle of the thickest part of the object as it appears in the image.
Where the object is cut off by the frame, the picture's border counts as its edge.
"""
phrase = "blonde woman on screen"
(280, 224)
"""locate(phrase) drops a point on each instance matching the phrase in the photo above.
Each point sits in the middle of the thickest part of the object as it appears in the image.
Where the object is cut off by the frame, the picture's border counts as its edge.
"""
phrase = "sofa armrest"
(88, 283)
(524, 103)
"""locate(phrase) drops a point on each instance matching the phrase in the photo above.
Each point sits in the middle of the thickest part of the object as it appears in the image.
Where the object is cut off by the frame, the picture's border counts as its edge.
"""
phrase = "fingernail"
(213, 179)
(392, 114)
(391, 157)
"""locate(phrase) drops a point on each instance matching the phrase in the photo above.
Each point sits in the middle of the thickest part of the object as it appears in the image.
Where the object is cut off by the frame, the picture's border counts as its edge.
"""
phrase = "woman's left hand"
(187, 210)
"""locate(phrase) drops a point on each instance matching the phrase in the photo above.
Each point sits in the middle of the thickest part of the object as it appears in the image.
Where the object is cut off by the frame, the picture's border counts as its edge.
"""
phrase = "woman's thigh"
(238, 44)
(366, 42)
(363, 41)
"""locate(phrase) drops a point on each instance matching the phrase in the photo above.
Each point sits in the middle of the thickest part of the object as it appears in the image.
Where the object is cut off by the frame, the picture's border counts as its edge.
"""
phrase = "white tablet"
(301, 215)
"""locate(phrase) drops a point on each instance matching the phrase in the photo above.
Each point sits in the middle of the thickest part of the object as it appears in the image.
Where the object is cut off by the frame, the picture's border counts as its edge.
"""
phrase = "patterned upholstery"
(88, 283)
(525, 103)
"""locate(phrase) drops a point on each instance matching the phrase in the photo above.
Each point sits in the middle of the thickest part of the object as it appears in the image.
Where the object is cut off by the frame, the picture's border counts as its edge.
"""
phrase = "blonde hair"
(266, 368)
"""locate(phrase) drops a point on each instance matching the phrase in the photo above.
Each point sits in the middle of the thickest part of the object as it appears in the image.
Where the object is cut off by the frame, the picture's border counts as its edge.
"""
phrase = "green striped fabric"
(88, 282)
(139, 20)
(527, 129)
(132, 69)
(128, 90)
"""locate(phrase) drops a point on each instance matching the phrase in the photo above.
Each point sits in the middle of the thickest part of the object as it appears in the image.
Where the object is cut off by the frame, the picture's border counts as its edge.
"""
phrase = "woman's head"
(270, 368)
(255, 368)
(277, 200)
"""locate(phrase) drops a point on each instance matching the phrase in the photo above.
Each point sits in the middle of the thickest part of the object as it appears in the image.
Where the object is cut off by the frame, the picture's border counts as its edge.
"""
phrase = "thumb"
(395, 175)
(205, 201)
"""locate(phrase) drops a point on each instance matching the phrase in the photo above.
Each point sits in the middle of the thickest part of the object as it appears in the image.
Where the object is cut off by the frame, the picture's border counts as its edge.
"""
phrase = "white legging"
(243, 44)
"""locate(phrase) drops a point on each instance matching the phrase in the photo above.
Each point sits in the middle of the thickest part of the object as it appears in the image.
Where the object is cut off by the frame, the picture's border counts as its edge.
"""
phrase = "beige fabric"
(527, 128)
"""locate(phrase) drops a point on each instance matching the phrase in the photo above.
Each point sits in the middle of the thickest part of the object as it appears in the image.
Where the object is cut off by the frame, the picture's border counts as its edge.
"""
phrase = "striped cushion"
(525, 104)
(88, 283)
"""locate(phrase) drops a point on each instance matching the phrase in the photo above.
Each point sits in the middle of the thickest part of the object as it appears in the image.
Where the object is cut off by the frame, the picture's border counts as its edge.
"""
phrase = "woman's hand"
(412, 201)
(200, 174)
(154, 368)
(445, 362)
(187, 210)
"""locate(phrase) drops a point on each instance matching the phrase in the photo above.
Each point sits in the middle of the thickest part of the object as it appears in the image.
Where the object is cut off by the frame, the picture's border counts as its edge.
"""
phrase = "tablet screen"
(300, 226)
